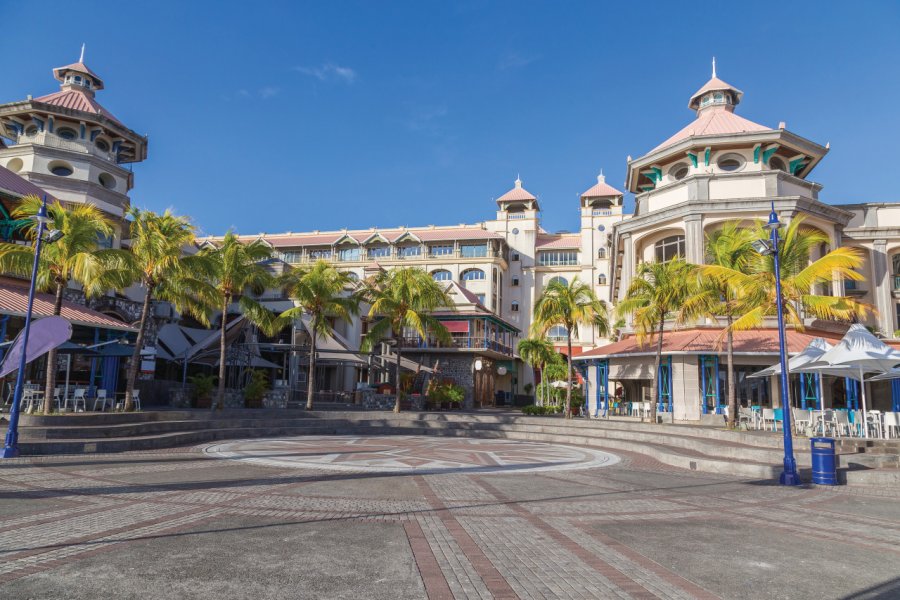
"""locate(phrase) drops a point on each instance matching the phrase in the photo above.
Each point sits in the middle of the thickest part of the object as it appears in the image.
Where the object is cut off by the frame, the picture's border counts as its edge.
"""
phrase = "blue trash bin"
(824, 470)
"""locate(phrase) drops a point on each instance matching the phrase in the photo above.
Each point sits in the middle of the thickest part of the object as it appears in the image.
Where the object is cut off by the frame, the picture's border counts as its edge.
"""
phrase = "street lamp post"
(11, 448)
(789, 476)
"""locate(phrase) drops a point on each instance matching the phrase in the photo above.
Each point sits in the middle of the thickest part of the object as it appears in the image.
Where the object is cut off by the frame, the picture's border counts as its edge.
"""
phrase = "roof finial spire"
(518, 180)
(81, 58)
(601, 178)
(714, 66)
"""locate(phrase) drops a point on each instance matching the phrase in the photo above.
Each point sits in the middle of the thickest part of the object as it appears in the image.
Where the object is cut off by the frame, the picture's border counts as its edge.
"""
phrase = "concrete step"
(673, 445)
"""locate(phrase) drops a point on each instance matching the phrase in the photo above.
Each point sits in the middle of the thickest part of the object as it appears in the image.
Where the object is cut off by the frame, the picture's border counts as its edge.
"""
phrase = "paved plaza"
(405, 517)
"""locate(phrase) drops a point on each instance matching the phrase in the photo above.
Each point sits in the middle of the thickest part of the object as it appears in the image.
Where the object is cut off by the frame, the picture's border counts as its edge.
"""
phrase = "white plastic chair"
(135, 397)
(892, 424)
(101, 399)
(645, 409)
(768, 414)
(841, 422)
(77, 397)
(802, 419)
(635, 409)
(874, 423)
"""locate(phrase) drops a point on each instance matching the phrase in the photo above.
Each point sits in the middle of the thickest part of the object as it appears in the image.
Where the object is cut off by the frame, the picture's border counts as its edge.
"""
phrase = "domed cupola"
(715, 94)
(78, 76)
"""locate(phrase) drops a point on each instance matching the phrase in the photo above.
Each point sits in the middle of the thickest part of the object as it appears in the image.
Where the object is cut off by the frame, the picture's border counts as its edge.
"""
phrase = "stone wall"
(457, 368)
(369, 400)
(181, 398)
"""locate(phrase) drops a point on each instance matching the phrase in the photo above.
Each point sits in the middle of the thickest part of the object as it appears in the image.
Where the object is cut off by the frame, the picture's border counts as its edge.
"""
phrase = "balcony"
(459, 342)
(457, 255)
(50, 140)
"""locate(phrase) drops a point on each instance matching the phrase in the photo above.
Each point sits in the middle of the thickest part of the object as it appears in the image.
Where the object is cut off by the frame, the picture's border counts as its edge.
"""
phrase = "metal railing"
(461, 342)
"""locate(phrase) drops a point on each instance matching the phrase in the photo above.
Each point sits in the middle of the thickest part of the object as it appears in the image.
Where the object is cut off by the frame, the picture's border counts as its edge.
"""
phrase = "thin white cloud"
(329, 72)
(514, 60)
(268, 91)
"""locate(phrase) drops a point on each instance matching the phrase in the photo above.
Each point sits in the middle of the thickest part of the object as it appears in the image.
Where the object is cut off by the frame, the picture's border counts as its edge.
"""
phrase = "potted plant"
(202, 387)
(255, 390)
(455, 395)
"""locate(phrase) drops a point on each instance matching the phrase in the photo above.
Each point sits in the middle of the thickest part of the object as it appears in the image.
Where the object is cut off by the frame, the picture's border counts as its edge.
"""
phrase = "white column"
(882, 280)
(693, 239)
(627, 265)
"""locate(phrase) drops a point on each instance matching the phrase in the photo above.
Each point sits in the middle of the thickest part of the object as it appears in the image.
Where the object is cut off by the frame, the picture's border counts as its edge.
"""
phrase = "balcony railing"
(602, 213)
(297, 258)
(51, 140)
(461, 342)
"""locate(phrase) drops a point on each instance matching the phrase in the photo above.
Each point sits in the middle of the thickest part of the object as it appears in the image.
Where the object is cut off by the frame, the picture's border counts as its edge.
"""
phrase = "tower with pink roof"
(67, 143)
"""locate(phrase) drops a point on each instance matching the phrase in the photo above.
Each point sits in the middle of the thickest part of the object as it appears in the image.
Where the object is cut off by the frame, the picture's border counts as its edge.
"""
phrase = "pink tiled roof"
(601, 189)
(76, 99)
(14, 301)
(17, 186)
(714, 121)
(517, 193)
(81, 68)
(548, 242)
(284, 240)
(701, 341)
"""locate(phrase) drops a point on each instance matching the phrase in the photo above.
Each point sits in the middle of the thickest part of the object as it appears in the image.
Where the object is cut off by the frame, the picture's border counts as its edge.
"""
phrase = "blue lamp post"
(11, 448)
(770, 247)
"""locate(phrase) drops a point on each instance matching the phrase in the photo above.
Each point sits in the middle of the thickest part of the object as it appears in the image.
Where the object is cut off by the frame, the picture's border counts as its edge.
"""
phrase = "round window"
(60, 168)
(15, 165)
(102, 145)
(679, 172)
(777, 164)
(601, 227)
(107, 181)
(731, 162)
(31, 131)
(515, 231)
(66, 133)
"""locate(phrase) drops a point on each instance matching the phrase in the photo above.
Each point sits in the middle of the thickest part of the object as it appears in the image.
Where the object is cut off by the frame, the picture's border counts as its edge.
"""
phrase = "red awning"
(456, 326)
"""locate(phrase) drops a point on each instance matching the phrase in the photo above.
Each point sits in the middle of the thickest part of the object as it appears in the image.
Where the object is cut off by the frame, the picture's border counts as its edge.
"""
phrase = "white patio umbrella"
(863, 353)
(559, 384)
(813, 352)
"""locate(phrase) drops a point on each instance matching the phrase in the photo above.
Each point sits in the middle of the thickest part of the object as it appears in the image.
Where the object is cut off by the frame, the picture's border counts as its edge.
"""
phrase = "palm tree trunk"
(311, 378)
(220, 396)
(732, 394)
(399, 351)
(569, 375)
(50, 382)
(654, 391)
(136, 355)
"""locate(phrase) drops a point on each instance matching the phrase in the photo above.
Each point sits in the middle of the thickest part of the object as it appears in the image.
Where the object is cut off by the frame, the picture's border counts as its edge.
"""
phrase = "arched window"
(351, 276)
(514, 306)
(669, 248)
(472, 275)
(601, 279)
(557, 333)
(442, 275)
(776, 164)
(601, 253)
(559, 279)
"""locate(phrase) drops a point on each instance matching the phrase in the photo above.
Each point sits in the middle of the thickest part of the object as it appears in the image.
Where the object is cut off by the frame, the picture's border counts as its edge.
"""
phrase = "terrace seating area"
(73, 398)
(830, 422)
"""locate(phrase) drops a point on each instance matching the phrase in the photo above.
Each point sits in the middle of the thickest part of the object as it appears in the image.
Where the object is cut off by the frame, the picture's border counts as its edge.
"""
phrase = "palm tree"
(569, 305)
(404, 299)
(730, 248)
(321, 293)
(657, 293)
(77, 256)
(158, 262)
(802, 280)
(238, 268)
(537, 352)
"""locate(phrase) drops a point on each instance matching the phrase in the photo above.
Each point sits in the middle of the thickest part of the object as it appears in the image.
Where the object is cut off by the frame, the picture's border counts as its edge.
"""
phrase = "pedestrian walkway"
(184, 523)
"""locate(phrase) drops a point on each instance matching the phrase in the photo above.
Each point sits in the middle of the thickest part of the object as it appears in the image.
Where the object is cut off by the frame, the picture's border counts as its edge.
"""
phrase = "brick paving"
(433, 522)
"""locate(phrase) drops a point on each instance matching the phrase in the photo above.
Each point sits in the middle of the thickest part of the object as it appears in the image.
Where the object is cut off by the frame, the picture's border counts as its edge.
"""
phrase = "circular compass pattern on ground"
(411, 454)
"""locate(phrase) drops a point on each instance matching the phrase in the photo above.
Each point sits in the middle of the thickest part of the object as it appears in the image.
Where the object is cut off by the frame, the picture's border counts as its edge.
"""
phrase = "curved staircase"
(698, 448)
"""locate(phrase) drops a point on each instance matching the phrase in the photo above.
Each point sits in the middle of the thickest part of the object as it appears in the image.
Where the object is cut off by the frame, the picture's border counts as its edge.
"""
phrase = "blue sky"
(276, 116)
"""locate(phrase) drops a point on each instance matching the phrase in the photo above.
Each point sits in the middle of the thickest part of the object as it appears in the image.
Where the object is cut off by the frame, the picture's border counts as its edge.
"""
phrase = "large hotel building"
(718, 167)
